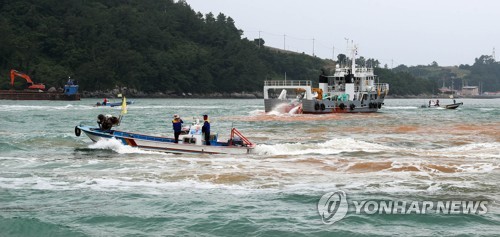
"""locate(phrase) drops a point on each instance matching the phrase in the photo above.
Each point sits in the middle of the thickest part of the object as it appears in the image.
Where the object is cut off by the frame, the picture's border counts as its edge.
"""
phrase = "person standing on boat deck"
(206, 129)
(437, 103)
(177, 125)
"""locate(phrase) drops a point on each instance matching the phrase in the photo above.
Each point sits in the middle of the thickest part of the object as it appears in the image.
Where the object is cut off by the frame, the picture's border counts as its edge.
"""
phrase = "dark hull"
(328, 107)
(114, 104)
(453, 106)
(28, 95)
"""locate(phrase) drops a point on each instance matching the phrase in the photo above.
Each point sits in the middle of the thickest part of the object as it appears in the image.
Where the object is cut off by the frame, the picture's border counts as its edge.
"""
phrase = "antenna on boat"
(346, 50)
(354, 53)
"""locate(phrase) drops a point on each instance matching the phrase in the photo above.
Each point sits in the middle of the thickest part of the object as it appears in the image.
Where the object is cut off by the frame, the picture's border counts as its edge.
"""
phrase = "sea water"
(53, 183)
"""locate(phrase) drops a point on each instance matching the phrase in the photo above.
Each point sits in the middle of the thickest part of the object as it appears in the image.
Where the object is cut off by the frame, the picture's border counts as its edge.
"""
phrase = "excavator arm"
(15, 73)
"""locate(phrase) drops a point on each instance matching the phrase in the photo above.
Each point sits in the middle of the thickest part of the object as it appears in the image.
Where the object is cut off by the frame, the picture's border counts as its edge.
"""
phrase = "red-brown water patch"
(369, 167)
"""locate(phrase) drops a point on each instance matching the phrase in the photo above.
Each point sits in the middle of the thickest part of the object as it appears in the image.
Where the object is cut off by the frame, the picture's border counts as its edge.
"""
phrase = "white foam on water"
(491, 146)
(295, 110)
(257, 112)
(275, 113)
(183, 107)
(118, 146)
(154, 186)
(47, 108)
(478, 168)
(474, 150)
(34, 182)
(284, 108)
(333, 146)
(400, 107)
(33, 107)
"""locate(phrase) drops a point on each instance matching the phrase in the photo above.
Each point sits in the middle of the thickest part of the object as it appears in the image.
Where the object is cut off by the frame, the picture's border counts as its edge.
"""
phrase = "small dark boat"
(113, 104)
(454, 105)
(435, 104)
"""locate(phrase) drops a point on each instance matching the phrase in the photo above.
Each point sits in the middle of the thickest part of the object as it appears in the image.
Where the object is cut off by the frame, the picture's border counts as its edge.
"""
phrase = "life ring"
(352, 106)
(342, 106)
(316, 106)
(322, 106)
(77, 131)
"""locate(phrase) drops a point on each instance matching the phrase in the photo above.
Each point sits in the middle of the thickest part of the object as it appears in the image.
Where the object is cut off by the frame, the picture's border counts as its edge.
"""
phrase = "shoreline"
(245, 95)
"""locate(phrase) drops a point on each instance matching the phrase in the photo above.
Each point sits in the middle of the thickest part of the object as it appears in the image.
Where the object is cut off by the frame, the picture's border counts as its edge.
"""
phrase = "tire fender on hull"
(342, 106)
(78, 131)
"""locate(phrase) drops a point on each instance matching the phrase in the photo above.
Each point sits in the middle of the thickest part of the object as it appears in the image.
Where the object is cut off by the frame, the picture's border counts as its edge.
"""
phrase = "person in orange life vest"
(177, 125)
(206, 129)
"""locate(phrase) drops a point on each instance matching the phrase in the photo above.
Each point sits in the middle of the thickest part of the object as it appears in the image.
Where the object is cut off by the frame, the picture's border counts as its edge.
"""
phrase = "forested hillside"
(148, 45)
(165, 46)
(485, 73)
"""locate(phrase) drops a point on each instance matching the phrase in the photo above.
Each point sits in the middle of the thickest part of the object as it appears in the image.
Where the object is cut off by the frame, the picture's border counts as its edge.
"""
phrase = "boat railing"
(358, 70)
(364, 70)
(287, 83)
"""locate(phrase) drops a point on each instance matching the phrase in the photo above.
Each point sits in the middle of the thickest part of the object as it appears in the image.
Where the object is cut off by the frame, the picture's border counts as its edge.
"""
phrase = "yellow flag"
(124, 106)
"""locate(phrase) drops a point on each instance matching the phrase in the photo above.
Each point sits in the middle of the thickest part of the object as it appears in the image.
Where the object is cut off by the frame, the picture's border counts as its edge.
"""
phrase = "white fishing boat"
(188, 142)
(191, 139)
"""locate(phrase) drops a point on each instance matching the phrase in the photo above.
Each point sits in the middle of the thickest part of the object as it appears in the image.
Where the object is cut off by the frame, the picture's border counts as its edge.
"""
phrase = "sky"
(410, 32)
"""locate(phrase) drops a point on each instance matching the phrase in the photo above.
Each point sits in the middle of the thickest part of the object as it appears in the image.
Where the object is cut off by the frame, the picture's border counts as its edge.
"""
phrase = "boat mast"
(353, 63)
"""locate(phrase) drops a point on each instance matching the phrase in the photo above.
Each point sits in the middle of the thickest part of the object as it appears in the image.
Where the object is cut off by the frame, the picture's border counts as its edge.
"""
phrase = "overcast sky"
(410, 32)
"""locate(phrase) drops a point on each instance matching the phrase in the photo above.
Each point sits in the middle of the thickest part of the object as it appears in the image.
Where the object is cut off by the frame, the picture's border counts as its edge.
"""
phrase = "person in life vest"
(177, 125)
(105, 101)
(206, 129)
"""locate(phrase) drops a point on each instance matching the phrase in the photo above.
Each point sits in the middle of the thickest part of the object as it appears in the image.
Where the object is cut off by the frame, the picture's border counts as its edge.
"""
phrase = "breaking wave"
(339, 145)
(117, 146)
(333, 146)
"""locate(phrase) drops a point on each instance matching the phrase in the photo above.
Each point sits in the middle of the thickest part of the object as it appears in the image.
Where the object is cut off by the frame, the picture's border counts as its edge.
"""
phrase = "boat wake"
(117, 146)
(257, 112)
(294, 107)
